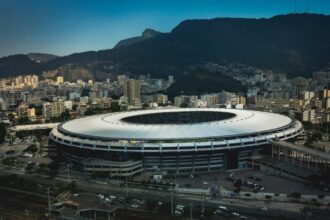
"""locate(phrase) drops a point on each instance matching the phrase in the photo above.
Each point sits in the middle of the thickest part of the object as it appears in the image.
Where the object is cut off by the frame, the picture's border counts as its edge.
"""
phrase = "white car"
(180, 207)
(264, 208)
(223, 208)
(235, 214)
(177, 212)
(134, 206)
(217, 212)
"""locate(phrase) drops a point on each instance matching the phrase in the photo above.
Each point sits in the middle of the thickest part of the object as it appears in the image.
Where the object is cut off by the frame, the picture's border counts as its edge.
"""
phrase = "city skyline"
(65, 27)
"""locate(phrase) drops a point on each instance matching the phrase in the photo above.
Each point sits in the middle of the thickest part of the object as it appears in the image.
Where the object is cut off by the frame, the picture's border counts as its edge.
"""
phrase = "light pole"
(203, 201)
(171, 202)
(191, 209)
(126, 187)
(68, 166)
(175, 179)
(48, 198)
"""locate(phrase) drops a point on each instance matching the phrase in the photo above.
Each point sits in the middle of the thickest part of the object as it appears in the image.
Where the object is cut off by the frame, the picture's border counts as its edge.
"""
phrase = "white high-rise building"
(132, 90)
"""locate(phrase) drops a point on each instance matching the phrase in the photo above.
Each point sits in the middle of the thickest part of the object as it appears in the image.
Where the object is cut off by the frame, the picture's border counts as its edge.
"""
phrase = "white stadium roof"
(112, 126)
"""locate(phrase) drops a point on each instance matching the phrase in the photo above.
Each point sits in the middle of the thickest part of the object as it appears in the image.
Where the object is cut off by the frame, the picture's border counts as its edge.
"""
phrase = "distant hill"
(295, 44)
(41, 57)
(147, 33)
(17, 64)
(23, 64)
(198, 82)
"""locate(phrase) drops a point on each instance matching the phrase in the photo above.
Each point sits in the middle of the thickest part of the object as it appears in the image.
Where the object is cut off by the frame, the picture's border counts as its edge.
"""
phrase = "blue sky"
(66, 26)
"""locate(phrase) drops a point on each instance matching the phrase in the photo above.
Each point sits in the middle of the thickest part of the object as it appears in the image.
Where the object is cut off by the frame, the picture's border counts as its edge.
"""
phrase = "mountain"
(41, 57)
(295, 44)
(21, 64)
(146, 34)
(200, 81)
(17, 65)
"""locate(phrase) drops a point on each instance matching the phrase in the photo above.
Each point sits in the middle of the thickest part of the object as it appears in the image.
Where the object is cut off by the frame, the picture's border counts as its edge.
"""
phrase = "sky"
(62, 27)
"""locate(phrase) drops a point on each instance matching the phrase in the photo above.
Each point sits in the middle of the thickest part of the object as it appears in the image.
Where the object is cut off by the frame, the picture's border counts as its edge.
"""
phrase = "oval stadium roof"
(112, 126)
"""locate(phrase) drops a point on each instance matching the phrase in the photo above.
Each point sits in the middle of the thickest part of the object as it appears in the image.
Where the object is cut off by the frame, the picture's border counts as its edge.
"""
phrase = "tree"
(184, 105)
(32, 149)
(65, 115)
(54, 119)
(74, 107)
(317, 136)
(151, 204)
(3, 132)
(115, 107)
(24, 121)
(11, 117)
(296, 195)
(238, 184)
(90, 111)
(39, 110)
(268, 196)
(73, 187)
(42, 169)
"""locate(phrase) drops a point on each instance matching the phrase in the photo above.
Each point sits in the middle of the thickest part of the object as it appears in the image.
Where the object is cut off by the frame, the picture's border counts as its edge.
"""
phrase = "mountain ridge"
(146, 34)
(295, 44)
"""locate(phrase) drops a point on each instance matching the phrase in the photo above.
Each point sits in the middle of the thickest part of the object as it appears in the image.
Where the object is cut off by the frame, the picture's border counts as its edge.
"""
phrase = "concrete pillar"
(308, 159)
(278, 153)
(293, 155)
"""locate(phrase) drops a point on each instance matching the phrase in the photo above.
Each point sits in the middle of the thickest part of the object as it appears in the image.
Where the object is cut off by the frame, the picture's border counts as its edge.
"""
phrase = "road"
(294, 210)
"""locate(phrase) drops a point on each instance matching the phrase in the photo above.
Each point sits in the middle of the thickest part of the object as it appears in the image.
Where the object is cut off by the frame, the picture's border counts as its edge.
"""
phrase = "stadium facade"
(180, 141)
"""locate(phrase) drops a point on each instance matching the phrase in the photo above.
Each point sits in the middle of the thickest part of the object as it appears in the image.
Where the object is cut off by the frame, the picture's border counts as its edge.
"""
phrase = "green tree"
(238, 184)
(115, 107)
(3, 132)
(73, 187)
(65, 115)
(151, 204)
(54, 119)
(184, 105)
(24, 121)
(90, 111)
(74, 107)
(11, 117)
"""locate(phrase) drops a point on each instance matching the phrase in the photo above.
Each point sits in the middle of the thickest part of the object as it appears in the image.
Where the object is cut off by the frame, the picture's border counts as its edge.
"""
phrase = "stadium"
(170, 140)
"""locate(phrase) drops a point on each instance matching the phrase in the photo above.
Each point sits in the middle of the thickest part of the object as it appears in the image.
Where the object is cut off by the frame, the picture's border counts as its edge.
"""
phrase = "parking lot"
(265, 182)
